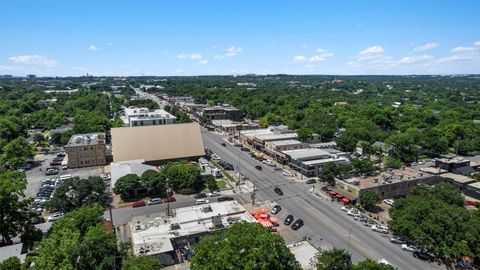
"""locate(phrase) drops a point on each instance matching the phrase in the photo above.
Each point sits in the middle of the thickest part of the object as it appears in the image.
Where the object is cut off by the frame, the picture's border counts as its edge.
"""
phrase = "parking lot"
(36, 175)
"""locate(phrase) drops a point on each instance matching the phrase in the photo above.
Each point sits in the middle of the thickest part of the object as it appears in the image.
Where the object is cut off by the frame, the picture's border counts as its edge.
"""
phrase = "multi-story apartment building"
(143, 117)
(85, 150)
(223, 113)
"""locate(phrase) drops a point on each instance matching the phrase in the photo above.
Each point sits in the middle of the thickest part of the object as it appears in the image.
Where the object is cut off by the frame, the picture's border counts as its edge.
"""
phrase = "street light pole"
(349, 232)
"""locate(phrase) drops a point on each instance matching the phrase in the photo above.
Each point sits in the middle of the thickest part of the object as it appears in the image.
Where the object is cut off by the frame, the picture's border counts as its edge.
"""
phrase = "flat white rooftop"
(324, 161)
(151, 237)
(307, 154)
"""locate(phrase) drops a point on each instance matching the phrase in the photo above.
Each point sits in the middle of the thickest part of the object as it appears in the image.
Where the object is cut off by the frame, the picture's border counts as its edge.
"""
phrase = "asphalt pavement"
(325, 223)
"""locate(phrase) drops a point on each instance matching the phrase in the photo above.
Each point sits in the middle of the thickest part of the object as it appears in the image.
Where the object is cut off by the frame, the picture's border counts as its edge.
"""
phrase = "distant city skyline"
(146, 37)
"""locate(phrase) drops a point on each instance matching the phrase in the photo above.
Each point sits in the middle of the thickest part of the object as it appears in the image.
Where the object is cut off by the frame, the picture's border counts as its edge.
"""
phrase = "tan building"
(285, 145)
(85, 150)
(157, 144)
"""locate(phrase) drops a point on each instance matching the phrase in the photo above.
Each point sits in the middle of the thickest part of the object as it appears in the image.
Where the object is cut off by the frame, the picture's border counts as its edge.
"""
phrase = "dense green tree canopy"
(127, 184)
(435, 219)
(140, 263)
(76, 192)
(243, 246)
(15, 214)
(17, 152)
(335, 259)
(368, 199)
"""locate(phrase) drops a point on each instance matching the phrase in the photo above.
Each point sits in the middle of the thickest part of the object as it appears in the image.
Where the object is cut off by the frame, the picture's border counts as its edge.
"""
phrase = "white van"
(201, 201)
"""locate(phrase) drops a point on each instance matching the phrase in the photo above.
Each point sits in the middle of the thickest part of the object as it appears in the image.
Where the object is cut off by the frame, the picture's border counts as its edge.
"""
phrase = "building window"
(99, 147)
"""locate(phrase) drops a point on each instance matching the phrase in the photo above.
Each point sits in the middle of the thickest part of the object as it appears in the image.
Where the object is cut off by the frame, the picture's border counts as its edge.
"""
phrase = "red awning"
(339, 196)
(274, 219)
(332, 193)
(345, 200)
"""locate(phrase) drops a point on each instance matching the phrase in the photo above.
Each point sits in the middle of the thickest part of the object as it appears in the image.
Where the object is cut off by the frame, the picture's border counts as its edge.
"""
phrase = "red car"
(138, 204)
(169, 200)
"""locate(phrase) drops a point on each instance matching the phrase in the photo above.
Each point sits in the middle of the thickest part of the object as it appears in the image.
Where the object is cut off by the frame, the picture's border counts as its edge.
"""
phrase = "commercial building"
(457, 180)
(387, 184)
(157, 144)
(473, 190)
(16, 250)
(170, 238)
(310, 161)
(223, 113)
(86, 150)
(135, 117)
(284, 145)
(451, 164)
(258, 137)
(231, 127)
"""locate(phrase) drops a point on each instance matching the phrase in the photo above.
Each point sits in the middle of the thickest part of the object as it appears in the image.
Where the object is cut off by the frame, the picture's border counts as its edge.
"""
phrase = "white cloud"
(426, 47)
(408, 60)
(464, 50)
(371, 54)
(320, 55)
(203, 62)
(454, 58)
(93, 48)
(477, 43)
(230, 52)
(6, 68)
(299, 58)
(35, 59)
(191, 56)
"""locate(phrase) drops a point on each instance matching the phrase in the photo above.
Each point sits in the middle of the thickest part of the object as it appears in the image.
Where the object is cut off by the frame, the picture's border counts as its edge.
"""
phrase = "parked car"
(379, 228)
(225, 198)
(201, 201)
(258, 167)
(383, 261)
(169, 200)
(398, 240)
(51, 172)
(277, 169)
(245, 149)
(388, 201)
(154, 201)
(278, 191)
(237, 144)
(214, 193)
(297, 224)
(353, 212)
(55, 217)
(199, 195)
(311, 181)
(346, 208)
(423, 256)
(138, 204)
(275, 209)
(223, 144)
(368, 223)
(410, 248)
(288, 220)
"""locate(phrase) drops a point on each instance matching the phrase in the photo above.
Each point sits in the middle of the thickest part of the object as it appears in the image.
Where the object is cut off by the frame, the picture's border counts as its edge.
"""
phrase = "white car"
(383, 261)
(346, 209)
(202, 201)
(379, 228)
(388, 201)
(213, 194)
(55, 217)
(411, 248)
(353, 212)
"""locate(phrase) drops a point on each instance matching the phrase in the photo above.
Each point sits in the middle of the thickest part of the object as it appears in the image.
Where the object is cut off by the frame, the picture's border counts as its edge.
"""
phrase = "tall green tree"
(181, 175)
(127, 184)
(369, 199)
(140, 263)
(12, 263)
(371, 265)
(76, 192)
(328, 174)
(17, 152)
(334, 259)
(15, 214)
(243, 246)
(153, 181)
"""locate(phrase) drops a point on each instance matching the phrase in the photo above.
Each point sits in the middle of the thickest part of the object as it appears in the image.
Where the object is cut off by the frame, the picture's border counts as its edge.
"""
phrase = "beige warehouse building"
(157, 144)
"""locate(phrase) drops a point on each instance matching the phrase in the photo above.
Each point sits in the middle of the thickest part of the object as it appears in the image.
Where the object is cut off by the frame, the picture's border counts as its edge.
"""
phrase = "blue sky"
(197, 37)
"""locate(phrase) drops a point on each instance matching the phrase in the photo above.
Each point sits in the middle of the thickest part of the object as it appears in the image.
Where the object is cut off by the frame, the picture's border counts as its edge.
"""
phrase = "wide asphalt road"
(323, 219)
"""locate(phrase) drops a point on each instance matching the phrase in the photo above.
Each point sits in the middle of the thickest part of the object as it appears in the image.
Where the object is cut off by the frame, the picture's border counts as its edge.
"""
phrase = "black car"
(258, 167)
(288, 220)
(199, 195)
(297, 224)
(245, 149)
(278, 191)
(224, 144)
(423, 256)
(225, 198)
(311, 181)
